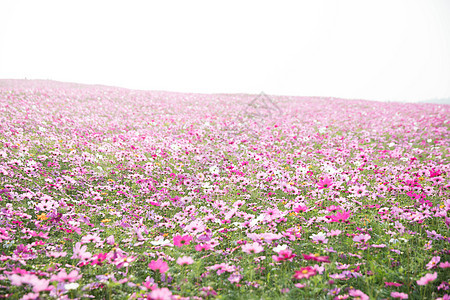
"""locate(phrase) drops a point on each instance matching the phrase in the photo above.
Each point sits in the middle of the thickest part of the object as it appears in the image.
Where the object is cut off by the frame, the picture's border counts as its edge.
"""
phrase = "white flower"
(161, 242)
(280, 247)
(214, 170)
(175, 147)
(257, 220)
(71, 286)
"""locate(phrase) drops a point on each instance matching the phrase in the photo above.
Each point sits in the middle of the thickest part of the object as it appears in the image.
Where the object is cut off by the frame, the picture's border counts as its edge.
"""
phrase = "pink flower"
(361, 238)
(340, 216)
(444, 265)
(316, 257)
(300, 208)
(433, 262)
(325, 183)
(124, 261)
(180, 241)
(62, 276)
(305, 272)
(110, 240)
(41, 285)
(320, 237)
(299, 285)
(341, 297)
(334, 232)
(30, 296)
(357, 294)
(161, 294)
(158, 265)
(235, 277)
(252, 248)
(392, 284)
(185, 260)
(79, 252)
(284, 255)
(15, 279)
(202, 247)
(90, 238)
(399, 295)
(427, 278)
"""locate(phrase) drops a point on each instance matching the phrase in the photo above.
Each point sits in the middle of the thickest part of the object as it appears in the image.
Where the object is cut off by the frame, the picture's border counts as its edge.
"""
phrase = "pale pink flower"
(359, 295)
(30, 296)
(252, 248)
(235, 277)
(361, 238)
(41, 285)
(185, 260)
(79, 252)
(62, 276)
(427, 278)
(334, 232)
(320, 237)
(433, 262)
(399, 295)
(161, 294)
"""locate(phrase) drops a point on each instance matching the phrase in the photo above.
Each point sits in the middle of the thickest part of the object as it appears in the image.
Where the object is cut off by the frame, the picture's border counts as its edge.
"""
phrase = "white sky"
(397, 50)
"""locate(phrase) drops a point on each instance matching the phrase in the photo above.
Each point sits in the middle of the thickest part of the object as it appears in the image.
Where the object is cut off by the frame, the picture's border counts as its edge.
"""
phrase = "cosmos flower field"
(109, 193)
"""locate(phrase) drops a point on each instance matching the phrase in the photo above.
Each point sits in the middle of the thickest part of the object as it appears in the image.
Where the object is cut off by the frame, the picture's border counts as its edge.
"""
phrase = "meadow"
(110, 193)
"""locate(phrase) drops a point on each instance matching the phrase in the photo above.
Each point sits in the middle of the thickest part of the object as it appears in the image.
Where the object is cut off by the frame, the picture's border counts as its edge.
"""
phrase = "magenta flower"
(427, 278)
(181, 241)
(305, 272)
(325, 183)
(300, 208)
(392, 284)
(284, 255)
(158, 265)
(316, 257)
(340, 216)
(202, 247)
